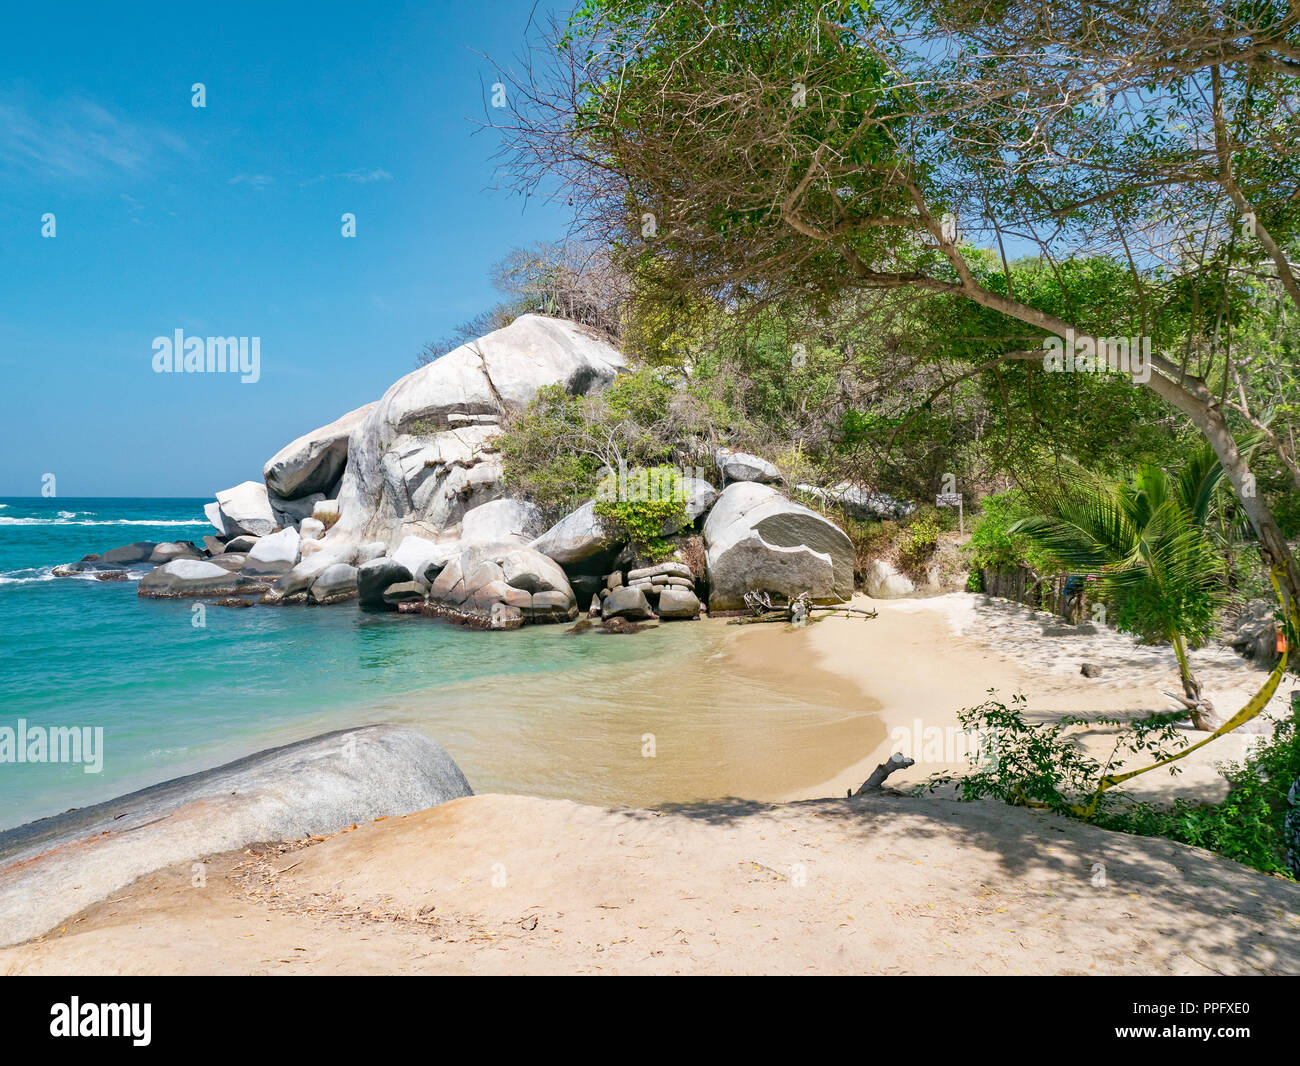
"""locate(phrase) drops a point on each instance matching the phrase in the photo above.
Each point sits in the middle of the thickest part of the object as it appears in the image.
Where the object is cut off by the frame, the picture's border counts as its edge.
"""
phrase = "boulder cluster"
(401, 505)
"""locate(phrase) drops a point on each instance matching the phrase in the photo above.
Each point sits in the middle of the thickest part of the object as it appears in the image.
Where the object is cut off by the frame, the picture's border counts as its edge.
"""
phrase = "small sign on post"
(953, 499)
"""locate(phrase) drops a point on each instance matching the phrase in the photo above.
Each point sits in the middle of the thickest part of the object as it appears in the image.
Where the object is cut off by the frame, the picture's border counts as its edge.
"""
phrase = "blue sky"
(225, 220)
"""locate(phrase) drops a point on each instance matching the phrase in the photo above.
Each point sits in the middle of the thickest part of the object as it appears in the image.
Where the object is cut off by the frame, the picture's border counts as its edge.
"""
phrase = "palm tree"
(1146, 540)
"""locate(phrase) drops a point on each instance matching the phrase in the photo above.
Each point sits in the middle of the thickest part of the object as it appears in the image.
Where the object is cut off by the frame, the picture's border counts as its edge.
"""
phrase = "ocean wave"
(34, 574)
(5, 521)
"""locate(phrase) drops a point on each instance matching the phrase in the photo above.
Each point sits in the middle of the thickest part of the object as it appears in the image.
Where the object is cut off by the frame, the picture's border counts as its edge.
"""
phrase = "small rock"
(1090, 670)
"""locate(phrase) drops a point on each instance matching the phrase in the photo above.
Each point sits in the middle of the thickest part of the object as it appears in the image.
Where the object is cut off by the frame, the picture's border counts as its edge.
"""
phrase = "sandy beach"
(883, 884)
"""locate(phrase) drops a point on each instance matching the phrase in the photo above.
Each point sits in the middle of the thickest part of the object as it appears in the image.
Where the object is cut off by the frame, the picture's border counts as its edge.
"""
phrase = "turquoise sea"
(536, 710)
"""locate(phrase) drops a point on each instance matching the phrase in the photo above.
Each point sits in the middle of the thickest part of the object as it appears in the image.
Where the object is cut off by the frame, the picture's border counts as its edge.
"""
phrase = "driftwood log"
(876, 781)
(796, 611)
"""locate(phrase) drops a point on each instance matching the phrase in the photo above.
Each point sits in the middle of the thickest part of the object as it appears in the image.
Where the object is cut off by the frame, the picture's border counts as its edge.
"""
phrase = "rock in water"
(139, 552)
(194, 578)
(335, 584)
(314, 462)
(627, 602)
(54, 867)
(757, 540)
(375, 576)
(274, 555)
(176, 549)
(478, 577)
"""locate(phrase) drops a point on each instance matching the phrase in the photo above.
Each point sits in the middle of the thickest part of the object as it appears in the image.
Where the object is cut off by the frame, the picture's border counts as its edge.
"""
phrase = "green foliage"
(1146, 539)
(919, 539)
(1042, 765)
(1248, 825)
(993, 547)
(539, 457)
(655, 502)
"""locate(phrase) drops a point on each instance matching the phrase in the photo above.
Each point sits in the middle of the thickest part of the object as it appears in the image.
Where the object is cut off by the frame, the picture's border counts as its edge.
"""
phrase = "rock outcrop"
(479, 577)
(197, 578)
(424, 455)
(757, 540)
(576, 537)
(858, 502)
(54, 867)
(314, 462)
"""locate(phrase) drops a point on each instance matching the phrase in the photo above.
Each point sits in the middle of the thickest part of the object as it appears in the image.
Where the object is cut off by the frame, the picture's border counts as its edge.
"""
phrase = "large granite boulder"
(274, 555)
(626, 602)
(213, 512)
(246, 509)
(741, 466)
(483, 575)
(424, 456)
(504, 521)
(54, 867)
(418, 555)
(335, 584)
(757, 540)
(195, 578)
(575, 538)
(293, 512)
(677, 603)
(375, 576)
(700, 498)
(314, 462)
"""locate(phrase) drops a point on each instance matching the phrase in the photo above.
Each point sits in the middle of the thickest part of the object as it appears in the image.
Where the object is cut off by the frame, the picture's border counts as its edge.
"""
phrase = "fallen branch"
(876, 781)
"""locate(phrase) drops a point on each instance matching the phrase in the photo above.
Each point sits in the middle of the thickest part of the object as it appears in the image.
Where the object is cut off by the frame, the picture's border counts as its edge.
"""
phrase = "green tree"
(1145, 538)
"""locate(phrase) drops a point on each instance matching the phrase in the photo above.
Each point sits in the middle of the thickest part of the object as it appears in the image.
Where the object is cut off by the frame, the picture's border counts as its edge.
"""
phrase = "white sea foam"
(4, 521)
(32, 575)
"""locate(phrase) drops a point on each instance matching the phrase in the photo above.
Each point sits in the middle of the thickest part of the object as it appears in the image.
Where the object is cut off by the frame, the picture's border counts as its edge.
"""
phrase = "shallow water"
(669, 715)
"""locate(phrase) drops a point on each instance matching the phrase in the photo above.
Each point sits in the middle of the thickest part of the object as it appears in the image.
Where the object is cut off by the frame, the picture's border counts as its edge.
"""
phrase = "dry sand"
(516, 884)
(884, 884)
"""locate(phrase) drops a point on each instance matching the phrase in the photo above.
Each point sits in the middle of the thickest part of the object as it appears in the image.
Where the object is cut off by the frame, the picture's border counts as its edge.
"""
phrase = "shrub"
(918, 541)
(1249, 825)
(1042, 765)
(655, 502)
(991, 547)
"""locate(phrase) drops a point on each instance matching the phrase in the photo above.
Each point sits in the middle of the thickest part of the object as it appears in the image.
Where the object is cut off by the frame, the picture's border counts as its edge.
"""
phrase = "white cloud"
(77, 139)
